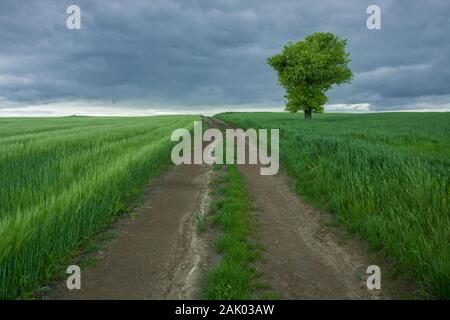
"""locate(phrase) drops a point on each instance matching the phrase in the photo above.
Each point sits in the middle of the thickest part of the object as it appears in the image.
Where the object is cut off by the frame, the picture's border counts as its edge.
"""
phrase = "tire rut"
(157, 255)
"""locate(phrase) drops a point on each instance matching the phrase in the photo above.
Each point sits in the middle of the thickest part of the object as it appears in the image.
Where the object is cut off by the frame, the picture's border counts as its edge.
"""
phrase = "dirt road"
(302, 258)
(157, 255)
(299, 262)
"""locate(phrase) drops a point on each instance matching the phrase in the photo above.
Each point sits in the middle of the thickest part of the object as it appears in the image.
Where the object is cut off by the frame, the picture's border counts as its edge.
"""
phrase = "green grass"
(386, 176)
(234, 277)
(64, 179)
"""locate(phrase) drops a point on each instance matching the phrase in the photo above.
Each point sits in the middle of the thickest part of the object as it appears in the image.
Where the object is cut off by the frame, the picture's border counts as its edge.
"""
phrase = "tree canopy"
(308, 68)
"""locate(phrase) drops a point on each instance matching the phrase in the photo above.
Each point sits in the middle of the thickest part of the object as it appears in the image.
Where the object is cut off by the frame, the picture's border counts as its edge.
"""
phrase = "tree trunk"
(308, 114)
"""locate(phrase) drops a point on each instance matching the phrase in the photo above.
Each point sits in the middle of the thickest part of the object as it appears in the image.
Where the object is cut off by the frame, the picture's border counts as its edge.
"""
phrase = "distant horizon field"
(386, 176)
(195, 113)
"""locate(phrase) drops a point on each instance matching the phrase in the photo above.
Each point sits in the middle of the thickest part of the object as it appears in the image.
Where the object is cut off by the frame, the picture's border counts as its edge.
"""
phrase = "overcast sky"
(153, 56)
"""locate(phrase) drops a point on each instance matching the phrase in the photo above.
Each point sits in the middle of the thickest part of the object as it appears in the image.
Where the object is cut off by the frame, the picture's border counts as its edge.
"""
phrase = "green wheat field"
(386, 177)
(63, 179)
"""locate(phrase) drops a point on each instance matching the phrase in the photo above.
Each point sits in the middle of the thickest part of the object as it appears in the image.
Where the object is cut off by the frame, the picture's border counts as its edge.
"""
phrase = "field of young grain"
(63, 179)
(386, 176)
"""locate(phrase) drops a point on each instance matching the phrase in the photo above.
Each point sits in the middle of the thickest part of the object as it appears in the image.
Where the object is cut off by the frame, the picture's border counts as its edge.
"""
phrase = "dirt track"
(159, 255)
(299, 262)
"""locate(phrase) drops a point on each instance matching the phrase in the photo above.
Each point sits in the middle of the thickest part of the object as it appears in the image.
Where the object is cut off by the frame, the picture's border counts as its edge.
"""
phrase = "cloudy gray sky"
(153, 56)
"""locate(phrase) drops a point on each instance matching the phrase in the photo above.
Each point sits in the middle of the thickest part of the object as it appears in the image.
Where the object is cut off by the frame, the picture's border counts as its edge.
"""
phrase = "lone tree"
(307, 69)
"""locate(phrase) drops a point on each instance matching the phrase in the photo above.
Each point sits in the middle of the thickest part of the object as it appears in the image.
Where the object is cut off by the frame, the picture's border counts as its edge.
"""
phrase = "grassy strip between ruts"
(234, 277)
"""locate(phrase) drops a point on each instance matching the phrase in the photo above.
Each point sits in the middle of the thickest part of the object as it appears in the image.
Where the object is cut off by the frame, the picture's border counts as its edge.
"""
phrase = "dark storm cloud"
(212, 53)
